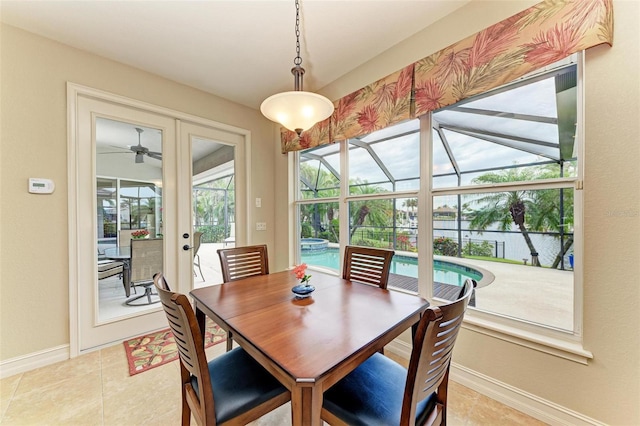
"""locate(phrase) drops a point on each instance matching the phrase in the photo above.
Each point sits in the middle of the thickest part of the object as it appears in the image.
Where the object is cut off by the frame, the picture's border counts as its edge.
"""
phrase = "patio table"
(123, 254)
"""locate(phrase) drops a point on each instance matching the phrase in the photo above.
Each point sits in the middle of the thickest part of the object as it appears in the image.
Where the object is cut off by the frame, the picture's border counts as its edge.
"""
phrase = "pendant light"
(297, 110)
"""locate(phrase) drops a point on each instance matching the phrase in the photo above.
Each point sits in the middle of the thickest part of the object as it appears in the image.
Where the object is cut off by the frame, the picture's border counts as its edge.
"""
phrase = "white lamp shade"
(296, 110)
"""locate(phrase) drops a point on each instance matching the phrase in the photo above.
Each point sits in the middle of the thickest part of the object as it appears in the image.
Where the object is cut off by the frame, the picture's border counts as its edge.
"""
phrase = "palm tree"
(373, 212)
(411, 204)
(214, 207)
(318, 183)
(554, 209)
(540, 209)
(505, 208)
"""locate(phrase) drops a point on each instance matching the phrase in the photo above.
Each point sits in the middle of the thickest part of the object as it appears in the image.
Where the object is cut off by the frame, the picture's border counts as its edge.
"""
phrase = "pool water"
(443, 272)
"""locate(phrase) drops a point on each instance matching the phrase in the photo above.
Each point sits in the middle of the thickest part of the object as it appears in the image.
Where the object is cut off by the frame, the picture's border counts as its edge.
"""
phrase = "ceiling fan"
(139, 150)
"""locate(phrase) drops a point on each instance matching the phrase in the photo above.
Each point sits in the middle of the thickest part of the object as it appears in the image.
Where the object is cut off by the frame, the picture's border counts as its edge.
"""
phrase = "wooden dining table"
(308, 344)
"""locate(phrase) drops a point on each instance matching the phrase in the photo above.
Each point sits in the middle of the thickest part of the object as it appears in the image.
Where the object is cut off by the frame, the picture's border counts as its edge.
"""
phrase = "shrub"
(445, 246)
(307, 230)
(212, 233)
(484, 249)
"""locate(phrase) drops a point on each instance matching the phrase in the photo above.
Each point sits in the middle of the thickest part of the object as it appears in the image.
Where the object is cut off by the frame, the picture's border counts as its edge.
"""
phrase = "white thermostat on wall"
(41, 186)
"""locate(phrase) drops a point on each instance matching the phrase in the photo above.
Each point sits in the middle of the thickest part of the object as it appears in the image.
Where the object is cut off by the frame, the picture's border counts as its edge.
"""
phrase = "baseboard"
(34, 360)
(400, 348)
(536, 407)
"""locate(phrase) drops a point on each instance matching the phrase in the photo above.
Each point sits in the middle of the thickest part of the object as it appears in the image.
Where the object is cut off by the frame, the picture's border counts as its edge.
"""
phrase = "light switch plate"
(261, 226)
(258, 202)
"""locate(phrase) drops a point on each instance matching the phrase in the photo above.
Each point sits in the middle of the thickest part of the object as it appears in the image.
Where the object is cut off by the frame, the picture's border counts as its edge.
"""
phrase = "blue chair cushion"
(239, 384)
(372, 394)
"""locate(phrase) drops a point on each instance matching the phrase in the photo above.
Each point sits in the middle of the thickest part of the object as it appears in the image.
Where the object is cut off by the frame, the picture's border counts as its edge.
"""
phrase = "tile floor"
(96, 389)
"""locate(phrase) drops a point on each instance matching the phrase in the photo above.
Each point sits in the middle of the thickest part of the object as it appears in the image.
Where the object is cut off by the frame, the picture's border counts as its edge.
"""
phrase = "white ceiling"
(240, 50)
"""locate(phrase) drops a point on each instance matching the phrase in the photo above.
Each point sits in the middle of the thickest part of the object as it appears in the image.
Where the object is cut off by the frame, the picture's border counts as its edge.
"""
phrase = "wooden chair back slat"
(242, 262)
(367, 265)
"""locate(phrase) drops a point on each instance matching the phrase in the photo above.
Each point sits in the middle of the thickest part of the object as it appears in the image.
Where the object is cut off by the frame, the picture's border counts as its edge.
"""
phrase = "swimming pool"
(443, 272)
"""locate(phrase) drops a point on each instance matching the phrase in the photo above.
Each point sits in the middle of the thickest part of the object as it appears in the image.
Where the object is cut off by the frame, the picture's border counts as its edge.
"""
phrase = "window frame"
(568, 345)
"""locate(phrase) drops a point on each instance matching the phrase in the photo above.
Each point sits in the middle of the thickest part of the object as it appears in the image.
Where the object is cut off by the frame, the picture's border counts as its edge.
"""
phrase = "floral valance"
(529, 40)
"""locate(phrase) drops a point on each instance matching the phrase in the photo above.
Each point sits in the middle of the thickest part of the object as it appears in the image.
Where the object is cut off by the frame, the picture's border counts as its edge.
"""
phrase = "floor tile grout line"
(13, 394)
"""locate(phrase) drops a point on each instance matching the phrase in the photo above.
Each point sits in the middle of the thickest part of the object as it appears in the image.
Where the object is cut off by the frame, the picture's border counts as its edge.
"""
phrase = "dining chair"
(161, 281)
(367, 265)
(230, 389)
(242, 262)
(381, 391)
(197, 241)
(146, 261)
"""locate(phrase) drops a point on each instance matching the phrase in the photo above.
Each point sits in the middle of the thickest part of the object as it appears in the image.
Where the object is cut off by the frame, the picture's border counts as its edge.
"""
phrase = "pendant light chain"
(297, 70)
(297, 60)
(297, 110)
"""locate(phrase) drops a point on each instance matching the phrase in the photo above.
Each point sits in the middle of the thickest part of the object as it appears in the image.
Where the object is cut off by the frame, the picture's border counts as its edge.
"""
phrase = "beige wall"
(608, 389)
(34, 306)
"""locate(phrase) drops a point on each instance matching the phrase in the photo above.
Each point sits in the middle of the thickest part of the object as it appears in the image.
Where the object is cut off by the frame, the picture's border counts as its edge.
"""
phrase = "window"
(124, 204)
(379, 200)
(504, 170)
(500, 176)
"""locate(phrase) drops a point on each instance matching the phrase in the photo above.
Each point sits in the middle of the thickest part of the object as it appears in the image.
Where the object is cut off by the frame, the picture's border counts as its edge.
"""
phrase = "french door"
(131, 171)
(216, 180)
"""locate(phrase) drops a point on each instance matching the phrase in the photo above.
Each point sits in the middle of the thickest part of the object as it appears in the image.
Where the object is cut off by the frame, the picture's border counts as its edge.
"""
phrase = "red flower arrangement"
(142, 233)
(300, 273)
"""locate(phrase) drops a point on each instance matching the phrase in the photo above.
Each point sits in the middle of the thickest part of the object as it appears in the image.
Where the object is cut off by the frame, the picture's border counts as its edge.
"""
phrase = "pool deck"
(539, 295)
(441, 290)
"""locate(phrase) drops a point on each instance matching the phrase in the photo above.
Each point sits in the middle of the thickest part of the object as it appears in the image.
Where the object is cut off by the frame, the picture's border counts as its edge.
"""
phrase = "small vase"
(302, 291)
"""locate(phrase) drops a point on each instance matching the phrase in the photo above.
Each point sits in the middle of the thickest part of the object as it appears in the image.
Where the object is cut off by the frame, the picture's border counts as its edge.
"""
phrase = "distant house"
(445, 213)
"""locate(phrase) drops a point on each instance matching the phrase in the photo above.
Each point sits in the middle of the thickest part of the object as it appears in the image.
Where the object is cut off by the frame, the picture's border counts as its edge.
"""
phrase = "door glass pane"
(213, 200)
(129, 206)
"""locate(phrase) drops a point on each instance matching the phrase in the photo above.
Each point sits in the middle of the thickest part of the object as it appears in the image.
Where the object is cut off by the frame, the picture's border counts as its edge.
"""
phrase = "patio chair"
(231, 239)
(232, 388)
(124, 236)
(108, 268)
(146, 261)
(242, 262)
(197, 241)
(381, 391)
(367, 265)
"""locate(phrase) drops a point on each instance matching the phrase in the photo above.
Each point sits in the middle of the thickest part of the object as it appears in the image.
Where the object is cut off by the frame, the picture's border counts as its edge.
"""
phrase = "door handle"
(187, 247)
